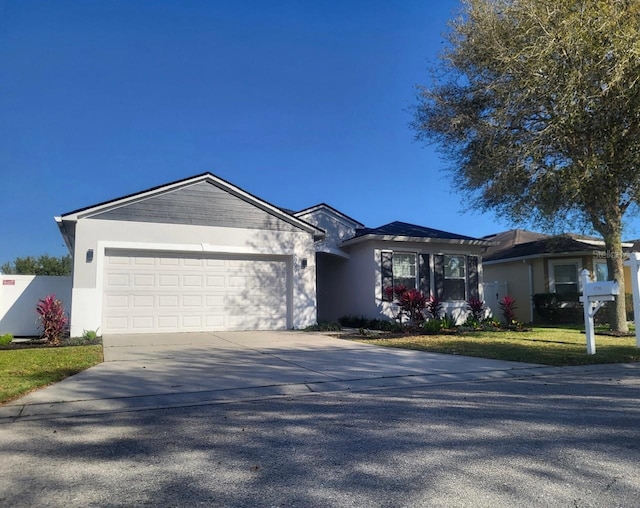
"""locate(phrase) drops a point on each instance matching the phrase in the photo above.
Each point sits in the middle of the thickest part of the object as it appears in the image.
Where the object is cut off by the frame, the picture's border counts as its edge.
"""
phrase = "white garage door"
(177, 292)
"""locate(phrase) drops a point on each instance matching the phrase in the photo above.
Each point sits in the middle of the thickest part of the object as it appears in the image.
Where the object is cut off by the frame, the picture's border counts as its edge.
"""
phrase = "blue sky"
(297, 102)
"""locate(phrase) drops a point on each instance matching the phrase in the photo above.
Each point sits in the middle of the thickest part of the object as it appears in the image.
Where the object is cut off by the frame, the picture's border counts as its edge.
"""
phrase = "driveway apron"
(172, 370)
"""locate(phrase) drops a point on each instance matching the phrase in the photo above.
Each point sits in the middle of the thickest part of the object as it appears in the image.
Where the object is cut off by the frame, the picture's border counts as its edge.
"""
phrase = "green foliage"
(324, 327)
(557, 308)
(448, 323)
(42, 265)
(432, 326)
(536, 106)
(369, 324)
(90, 334)
(5, 339)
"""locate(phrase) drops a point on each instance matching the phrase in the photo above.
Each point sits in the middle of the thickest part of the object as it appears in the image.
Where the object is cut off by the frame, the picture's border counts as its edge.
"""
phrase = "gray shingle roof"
(398, 228)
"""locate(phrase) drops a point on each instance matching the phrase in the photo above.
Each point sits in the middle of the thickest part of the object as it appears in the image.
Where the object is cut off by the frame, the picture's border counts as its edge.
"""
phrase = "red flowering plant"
(434, 307)
(508, 308)
(476, 307)
(412, 303)
(53, 320)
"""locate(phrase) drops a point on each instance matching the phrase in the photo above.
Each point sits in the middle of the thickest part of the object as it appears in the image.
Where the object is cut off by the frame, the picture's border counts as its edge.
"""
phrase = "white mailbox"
(606, 288)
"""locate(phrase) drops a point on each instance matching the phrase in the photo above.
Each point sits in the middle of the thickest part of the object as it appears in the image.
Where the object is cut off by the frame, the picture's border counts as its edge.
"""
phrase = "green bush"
(324, 327)
(90, 334)
(5, 339)
(432, 326)
(370, 324)
(555, 308)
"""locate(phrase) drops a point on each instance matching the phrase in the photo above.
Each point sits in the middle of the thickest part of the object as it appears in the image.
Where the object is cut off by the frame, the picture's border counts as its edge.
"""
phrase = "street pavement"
(543, 437)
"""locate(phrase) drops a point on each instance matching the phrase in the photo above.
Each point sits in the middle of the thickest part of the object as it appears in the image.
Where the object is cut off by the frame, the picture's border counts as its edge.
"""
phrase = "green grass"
(24, 370)
(551, 346)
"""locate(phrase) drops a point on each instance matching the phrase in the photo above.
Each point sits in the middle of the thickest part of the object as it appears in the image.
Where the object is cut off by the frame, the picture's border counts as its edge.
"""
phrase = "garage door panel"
(145, 292)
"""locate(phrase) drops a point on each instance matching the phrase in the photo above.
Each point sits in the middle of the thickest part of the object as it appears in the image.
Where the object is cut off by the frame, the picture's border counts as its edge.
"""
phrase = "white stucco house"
(201, 254)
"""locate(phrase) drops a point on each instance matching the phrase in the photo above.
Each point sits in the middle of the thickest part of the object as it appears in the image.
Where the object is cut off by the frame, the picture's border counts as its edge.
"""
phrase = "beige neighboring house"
(523, 263)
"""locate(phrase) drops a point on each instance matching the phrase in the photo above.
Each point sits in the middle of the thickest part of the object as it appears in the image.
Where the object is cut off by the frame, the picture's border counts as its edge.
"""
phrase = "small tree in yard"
(411, 302)
(53, 320)
(537, 107)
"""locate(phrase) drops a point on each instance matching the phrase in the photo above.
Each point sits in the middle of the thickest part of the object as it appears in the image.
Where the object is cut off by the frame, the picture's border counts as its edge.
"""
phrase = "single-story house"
(202, 254)
(527, 263)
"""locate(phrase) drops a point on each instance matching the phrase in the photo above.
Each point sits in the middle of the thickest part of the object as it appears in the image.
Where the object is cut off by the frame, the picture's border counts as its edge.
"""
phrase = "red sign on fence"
(8, 282)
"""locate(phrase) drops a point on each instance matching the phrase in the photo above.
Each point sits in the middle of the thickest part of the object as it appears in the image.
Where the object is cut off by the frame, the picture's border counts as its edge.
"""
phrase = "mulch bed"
(36, 342)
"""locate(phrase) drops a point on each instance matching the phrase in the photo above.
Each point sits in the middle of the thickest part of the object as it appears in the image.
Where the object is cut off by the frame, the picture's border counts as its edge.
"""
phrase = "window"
(404, 269)
(454, 278)
(601, 271)
(563, 276)
(411, 269)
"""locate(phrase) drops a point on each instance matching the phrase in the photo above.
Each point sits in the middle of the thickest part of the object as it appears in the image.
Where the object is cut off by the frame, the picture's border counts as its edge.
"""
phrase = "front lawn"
(551, 346)
(24, 370)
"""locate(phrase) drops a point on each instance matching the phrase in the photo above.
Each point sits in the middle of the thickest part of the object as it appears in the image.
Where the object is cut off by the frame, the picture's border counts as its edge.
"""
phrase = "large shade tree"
(536, 104)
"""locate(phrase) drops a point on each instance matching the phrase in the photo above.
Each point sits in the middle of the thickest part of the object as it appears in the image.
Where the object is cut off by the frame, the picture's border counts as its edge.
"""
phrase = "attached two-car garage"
(195, 255)
(176, 292)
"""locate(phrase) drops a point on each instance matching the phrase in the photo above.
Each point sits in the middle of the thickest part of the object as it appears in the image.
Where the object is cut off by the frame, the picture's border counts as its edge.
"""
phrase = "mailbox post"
(634, 264)
(594, 296)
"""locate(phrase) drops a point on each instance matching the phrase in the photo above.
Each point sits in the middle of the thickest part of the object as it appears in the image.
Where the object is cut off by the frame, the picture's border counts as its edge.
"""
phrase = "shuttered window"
(407, 269)
(456, 277)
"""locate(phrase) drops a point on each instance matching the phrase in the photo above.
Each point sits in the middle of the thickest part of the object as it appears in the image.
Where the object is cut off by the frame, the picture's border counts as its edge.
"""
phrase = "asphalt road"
(561, 440)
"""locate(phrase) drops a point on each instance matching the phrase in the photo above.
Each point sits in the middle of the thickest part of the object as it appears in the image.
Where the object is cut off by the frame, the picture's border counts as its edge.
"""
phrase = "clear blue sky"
(295, 101)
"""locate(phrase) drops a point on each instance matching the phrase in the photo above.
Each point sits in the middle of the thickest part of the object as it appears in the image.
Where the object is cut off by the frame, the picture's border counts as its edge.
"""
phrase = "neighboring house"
(202, 254)
(529, 263)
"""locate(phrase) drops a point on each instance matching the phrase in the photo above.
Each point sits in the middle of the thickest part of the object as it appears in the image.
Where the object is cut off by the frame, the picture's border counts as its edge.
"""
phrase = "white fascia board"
(391, 238)
(335, 252)
(540, 256)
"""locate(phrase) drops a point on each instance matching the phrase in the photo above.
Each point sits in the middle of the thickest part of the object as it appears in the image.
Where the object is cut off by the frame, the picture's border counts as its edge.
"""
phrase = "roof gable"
(331, 211)
(201, 200)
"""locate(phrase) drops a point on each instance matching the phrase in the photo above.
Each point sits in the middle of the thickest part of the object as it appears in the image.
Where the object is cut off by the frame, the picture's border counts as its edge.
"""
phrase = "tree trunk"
(615, 265)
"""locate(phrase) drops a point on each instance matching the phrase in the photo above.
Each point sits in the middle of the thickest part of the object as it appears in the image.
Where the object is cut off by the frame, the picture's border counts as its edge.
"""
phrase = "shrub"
(434, 307)
(432, 326)
(5, 339)
(555, 308)
(477, 308)
(322, 327)
(448, 322)
(90, 334)
(369, 324)
(412, 303)
(53, 320)
(508, 309)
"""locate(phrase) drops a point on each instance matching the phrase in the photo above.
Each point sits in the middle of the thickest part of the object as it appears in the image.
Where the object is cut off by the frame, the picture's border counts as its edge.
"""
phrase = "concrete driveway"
(177, 370)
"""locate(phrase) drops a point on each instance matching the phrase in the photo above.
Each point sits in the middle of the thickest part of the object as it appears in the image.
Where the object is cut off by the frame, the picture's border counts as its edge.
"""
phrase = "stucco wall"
(94, 236)
(19, 295)
(361, 280)
(516, 275)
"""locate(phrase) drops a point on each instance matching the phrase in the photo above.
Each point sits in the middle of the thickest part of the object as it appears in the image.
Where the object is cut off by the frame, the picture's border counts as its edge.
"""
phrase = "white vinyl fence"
(493, 293)
(19, 295)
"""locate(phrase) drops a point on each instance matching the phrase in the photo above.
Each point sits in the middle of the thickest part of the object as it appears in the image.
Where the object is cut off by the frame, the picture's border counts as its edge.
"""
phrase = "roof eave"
(395, 238)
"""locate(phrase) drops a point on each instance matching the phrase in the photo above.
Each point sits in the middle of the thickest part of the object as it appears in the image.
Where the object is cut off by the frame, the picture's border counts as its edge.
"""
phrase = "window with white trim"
(404, 269)
(564, 276)
(455, 281)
